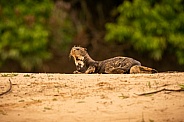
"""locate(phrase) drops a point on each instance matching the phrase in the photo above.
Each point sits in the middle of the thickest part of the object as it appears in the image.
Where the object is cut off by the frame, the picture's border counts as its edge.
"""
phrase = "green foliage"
(62, 29)
(150, 26)
(23, 31)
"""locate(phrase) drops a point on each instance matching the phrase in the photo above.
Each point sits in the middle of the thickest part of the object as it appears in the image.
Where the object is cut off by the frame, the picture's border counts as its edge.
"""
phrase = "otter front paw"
(90, 70)
(77, 72)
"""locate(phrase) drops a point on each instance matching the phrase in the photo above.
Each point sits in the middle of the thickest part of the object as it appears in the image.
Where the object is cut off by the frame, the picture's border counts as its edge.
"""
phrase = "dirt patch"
(93, 97)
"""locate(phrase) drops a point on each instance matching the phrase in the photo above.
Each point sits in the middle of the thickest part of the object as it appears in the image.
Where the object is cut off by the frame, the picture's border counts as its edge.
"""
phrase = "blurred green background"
(36, 36)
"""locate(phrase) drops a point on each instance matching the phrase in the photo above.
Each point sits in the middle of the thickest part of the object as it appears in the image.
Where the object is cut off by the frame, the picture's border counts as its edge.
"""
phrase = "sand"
(94, 97)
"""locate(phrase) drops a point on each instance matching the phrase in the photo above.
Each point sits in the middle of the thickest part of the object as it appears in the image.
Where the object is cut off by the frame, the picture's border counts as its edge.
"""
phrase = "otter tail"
(141, 69)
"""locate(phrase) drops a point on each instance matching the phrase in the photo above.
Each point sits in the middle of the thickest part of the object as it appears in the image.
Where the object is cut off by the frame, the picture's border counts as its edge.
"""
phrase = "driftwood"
(8, 90)
(156, 91)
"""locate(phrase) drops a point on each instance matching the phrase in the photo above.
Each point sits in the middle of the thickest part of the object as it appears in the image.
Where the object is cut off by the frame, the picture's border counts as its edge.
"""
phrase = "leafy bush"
(62, 30)
(150, 26)
(23, 31)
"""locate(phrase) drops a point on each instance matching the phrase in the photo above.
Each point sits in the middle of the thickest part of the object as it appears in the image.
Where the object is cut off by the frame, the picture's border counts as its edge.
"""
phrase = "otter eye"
(77, 49)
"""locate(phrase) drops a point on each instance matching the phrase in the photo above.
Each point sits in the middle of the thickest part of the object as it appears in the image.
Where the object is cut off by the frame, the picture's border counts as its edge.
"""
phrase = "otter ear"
(85, 49)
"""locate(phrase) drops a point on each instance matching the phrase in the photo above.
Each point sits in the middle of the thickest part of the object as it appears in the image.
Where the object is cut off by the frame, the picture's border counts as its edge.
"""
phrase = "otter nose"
(74, 50)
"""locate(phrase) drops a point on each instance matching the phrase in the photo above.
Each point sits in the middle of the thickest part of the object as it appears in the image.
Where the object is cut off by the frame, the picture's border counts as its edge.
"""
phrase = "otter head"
(78, 53)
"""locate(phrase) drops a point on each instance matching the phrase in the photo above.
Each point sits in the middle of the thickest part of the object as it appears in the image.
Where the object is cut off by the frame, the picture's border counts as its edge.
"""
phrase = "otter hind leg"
(141, 69)
(117, 70)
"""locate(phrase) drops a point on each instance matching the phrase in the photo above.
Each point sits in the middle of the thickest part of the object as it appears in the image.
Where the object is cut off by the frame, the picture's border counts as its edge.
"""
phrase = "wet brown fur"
(117, 65)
